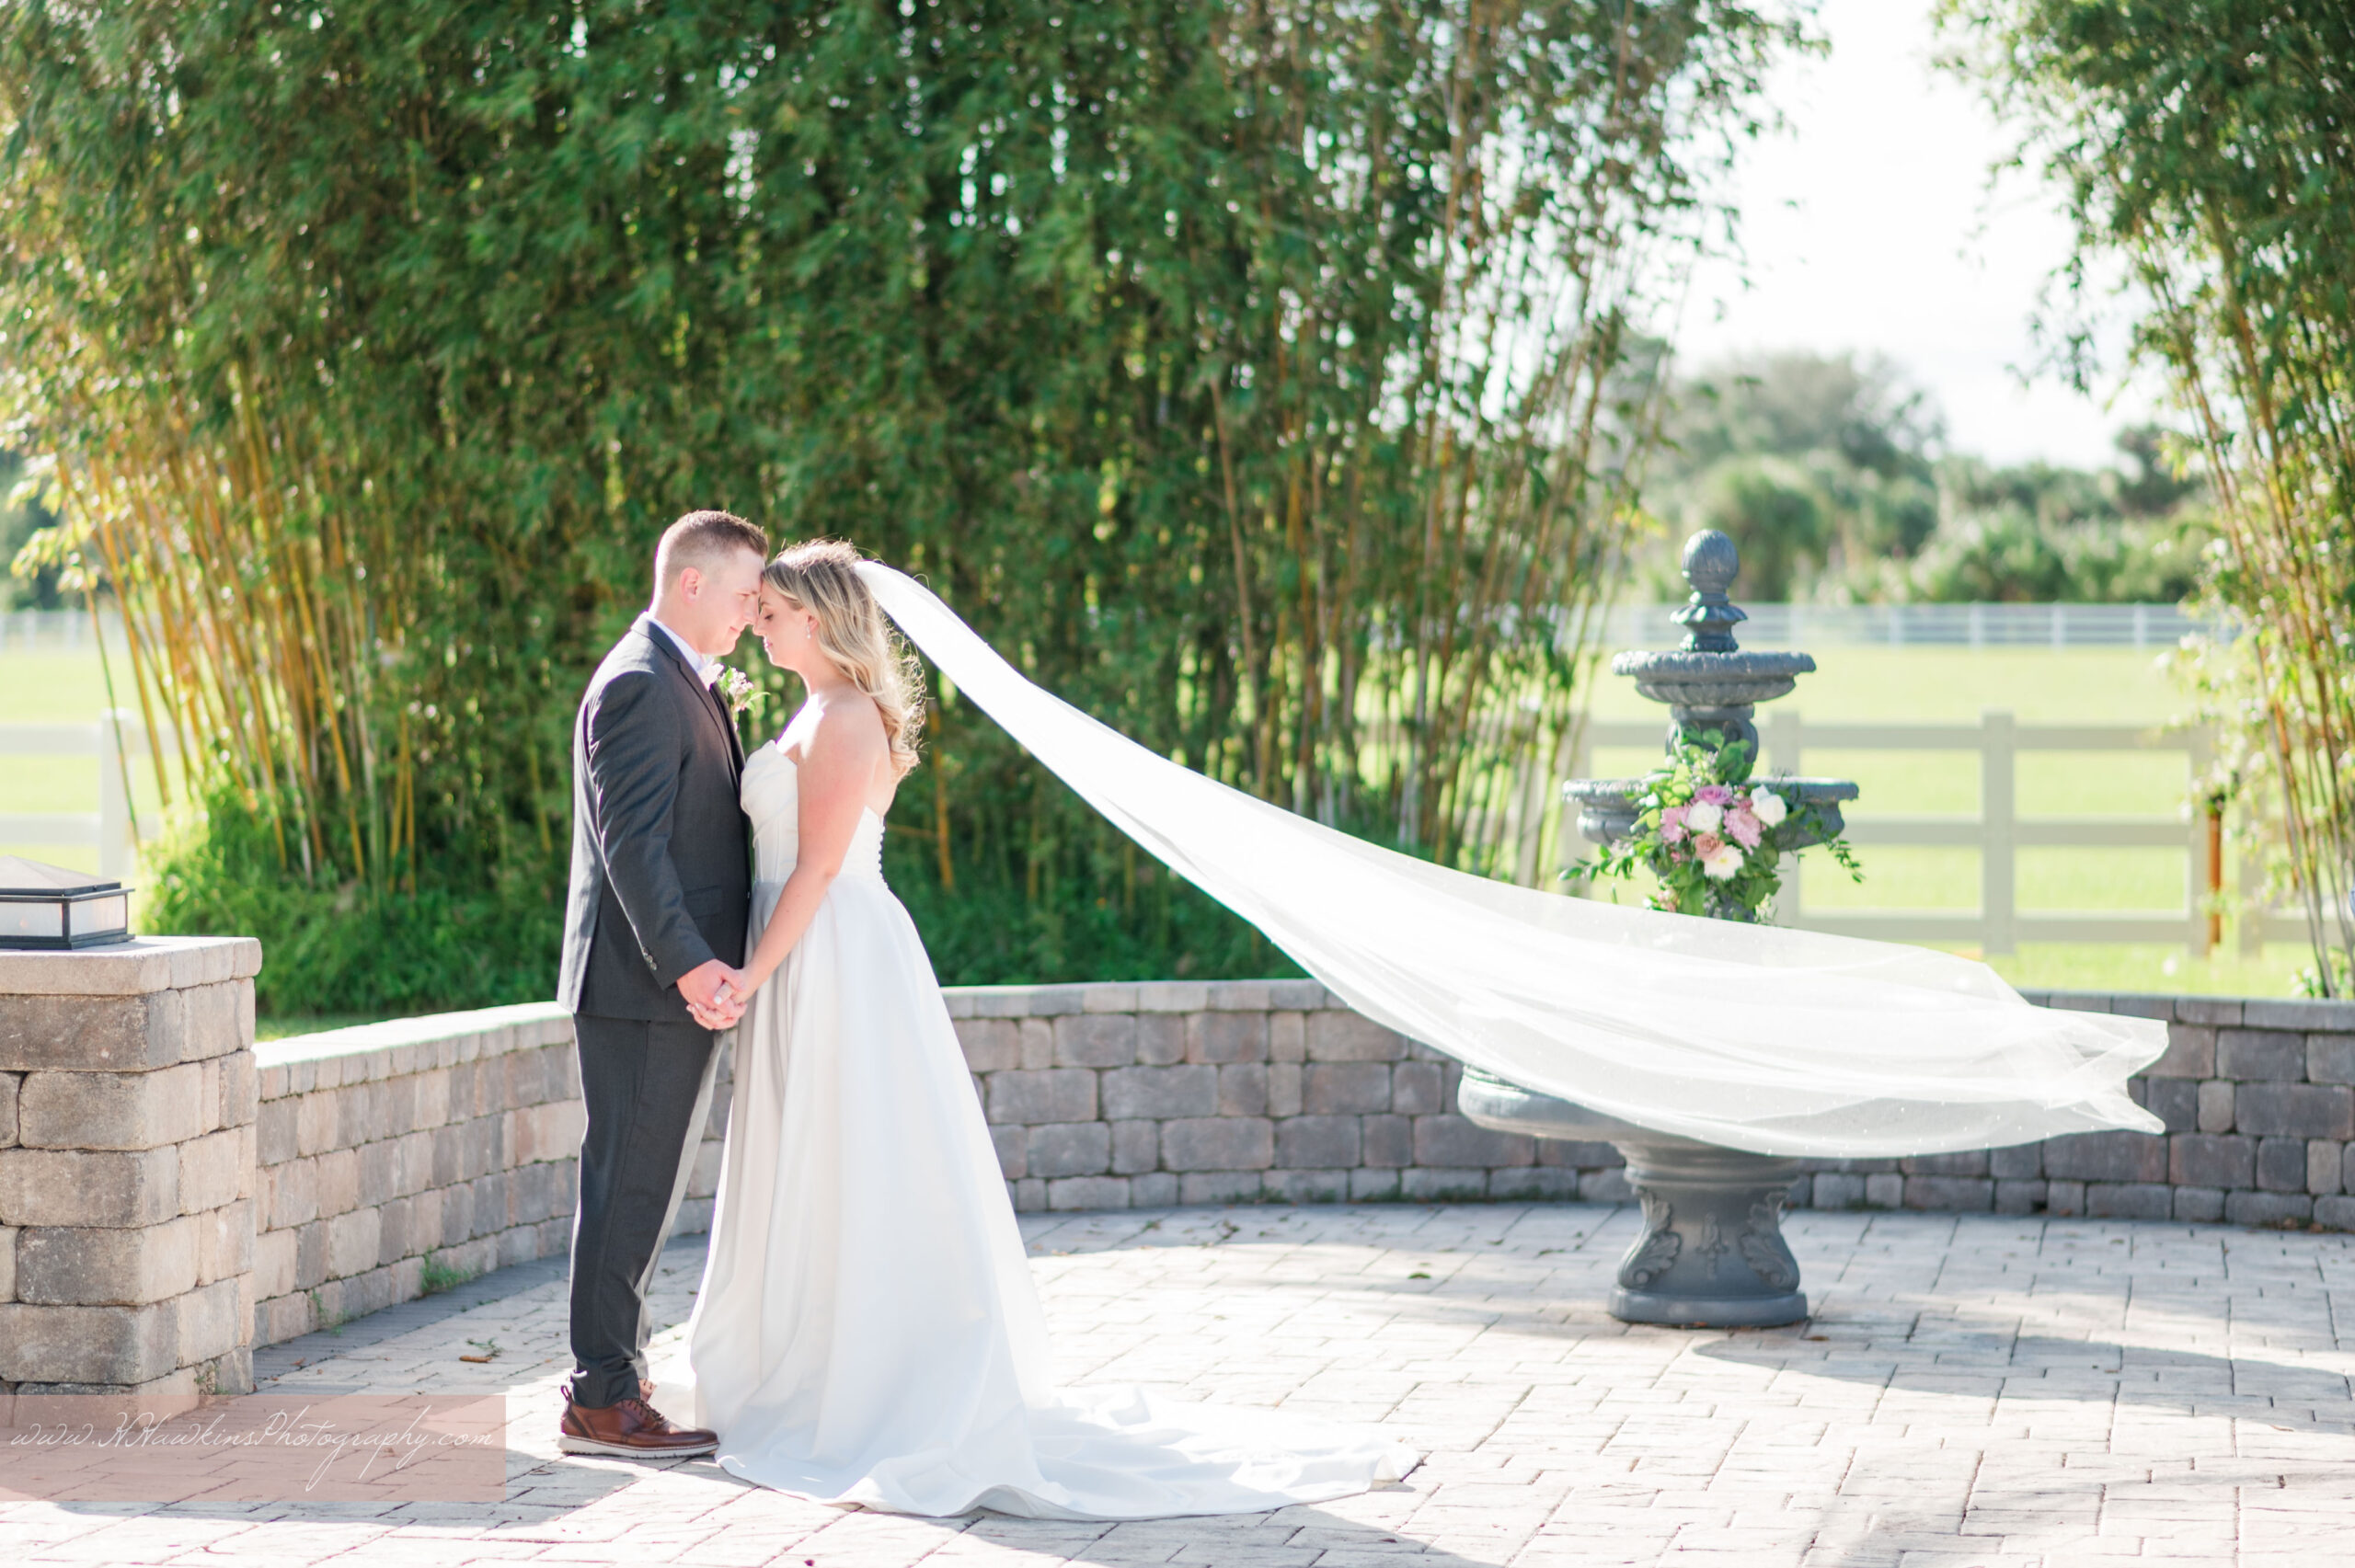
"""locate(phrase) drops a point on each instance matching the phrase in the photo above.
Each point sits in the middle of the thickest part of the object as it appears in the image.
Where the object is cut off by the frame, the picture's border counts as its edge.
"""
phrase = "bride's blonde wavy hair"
(821, 577)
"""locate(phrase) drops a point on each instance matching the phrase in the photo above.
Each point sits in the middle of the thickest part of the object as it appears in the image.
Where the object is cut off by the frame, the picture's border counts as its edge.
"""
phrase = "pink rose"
(1743, 827)
(1706, 844)
(1716, 795)
(1672, 825)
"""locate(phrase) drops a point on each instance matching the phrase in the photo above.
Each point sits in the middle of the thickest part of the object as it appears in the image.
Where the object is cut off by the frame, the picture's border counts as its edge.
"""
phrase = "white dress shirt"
(706, 669)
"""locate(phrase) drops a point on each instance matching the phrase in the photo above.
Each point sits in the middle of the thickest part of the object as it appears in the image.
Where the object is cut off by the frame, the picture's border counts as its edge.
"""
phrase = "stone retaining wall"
(451, 1142)
(1138, 1095)
(447, 1144)
(1106, 1096)
(2258, 1099)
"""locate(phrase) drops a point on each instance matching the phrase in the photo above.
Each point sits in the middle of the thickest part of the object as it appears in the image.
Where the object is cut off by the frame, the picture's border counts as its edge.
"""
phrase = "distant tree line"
(1835, 479)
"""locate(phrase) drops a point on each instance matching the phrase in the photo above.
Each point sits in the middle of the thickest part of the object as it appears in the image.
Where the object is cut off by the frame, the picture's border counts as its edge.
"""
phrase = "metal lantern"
(50, 906)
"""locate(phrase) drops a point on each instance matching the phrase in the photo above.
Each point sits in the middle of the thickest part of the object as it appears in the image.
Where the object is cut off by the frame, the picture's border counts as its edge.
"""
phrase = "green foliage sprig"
(1713, 838)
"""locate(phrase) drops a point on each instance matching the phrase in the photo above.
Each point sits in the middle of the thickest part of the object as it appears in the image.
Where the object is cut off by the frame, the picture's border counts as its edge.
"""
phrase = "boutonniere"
(742, 696)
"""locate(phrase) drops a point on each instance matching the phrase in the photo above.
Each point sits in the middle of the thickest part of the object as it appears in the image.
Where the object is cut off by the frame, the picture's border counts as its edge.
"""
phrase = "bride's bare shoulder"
(850, 723)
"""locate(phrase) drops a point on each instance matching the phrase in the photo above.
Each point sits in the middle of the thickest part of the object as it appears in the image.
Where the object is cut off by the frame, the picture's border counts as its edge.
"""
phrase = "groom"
(660, 894)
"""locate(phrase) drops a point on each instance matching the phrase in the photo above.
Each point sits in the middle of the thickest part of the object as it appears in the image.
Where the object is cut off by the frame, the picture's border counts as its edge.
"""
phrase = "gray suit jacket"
(661, 853)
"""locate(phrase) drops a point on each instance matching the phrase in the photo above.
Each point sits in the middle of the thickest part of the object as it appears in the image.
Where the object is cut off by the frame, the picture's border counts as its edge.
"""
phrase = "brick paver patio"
(1972, 1391)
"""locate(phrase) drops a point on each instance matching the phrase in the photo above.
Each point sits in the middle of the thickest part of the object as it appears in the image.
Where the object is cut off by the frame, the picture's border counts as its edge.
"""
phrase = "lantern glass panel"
(96, 917)
(44, 920)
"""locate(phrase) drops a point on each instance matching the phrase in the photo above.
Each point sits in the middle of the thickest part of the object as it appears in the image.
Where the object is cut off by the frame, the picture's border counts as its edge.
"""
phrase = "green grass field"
(1850, 685)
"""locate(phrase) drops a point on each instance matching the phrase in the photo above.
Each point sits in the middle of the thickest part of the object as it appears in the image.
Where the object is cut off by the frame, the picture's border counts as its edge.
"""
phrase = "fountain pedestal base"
(1712, 1253)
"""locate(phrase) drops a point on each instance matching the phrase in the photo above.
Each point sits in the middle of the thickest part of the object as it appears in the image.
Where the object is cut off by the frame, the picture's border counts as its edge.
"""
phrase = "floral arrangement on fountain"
(1711, 838)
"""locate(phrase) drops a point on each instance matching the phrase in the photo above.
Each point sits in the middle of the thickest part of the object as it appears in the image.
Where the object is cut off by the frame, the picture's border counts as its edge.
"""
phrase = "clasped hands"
(715, 993)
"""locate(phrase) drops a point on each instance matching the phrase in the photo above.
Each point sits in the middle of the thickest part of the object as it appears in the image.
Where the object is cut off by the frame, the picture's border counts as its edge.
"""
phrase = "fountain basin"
(1607, 809)
(1687, 679)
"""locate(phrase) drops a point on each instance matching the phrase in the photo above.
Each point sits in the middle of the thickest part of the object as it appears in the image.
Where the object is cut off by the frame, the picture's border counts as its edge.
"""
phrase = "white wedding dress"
(868, 1331)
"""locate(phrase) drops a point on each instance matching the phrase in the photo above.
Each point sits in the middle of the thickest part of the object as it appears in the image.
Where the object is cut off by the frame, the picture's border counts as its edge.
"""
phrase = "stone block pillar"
(127, 1099)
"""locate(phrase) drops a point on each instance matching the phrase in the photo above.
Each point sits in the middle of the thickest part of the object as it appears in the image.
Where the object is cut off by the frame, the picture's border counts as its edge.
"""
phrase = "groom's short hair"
(701, 539)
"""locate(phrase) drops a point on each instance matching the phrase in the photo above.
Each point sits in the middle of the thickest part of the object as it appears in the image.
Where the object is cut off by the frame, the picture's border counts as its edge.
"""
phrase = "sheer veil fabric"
(1758, 1037)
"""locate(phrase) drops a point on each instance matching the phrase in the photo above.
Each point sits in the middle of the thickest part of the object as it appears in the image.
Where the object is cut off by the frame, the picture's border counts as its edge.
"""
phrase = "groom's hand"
(701, 987)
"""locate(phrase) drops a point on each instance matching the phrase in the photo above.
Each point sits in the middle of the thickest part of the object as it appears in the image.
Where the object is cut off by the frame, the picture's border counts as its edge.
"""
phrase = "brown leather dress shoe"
(631, 1430)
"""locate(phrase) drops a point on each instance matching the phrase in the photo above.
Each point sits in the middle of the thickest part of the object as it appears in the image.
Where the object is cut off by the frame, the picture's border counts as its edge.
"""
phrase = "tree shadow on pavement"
(1992, 1363)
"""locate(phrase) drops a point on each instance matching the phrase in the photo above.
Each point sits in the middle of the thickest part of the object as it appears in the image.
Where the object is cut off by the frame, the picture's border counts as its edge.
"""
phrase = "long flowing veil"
(1784, 1042)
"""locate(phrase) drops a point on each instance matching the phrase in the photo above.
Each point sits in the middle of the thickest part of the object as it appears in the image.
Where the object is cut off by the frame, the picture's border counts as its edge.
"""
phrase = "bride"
(868, 1331)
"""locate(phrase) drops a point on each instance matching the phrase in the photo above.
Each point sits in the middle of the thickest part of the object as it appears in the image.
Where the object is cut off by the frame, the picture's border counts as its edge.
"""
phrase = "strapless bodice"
(772, 799)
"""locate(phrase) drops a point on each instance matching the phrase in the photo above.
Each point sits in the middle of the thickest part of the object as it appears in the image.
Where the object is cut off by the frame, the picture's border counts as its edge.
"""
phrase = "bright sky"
(1870, 225)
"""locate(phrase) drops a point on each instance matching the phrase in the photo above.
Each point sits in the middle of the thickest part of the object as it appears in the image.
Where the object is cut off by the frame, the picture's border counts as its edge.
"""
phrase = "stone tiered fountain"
(1712, 1253)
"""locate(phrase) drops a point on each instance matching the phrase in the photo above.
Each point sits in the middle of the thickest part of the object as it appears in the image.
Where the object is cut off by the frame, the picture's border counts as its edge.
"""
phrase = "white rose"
(1768, 807)
(1702, 818)
(1724, 863)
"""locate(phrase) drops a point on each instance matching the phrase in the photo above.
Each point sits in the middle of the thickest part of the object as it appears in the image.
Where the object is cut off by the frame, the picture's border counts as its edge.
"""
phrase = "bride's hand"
(734, 992)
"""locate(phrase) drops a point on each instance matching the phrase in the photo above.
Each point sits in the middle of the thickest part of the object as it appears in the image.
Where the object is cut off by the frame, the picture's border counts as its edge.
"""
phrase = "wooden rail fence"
(1998, 833)
(112, 743)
